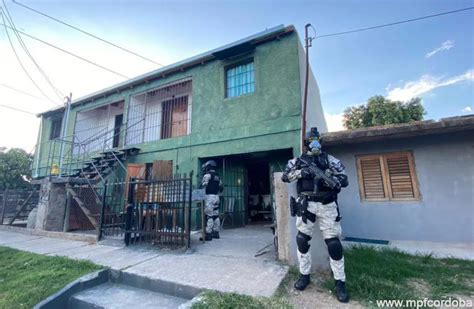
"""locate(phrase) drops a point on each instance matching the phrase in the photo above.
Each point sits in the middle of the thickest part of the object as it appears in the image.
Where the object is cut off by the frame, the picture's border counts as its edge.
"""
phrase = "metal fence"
(156, 212)
(15, 205)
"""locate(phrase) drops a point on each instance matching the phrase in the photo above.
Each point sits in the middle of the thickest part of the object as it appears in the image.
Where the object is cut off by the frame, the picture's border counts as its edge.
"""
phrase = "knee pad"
(302, 241)
(334, 248)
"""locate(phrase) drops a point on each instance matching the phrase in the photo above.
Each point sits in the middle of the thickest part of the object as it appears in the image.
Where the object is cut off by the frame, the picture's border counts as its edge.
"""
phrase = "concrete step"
(118, 296)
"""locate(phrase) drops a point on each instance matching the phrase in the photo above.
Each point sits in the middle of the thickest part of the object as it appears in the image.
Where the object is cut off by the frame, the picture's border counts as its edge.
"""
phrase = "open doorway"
(247, 197)
(259, 192)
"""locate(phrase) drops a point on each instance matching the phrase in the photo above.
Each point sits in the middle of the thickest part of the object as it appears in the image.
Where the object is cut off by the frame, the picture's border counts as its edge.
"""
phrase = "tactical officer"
(213, 186)
(317, 199)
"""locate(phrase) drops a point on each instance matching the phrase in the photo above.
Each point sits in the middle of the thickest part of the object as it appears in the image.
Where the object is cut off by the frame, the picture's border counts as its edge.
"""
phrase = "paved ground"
(227, 264)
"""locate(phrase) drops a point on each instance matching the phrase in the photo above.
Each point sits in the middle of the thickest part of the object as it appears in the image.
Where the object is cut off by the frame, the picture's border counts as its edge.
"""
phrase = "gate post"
(102, 211)
(188, 231)
(129, 210)
(5, 197)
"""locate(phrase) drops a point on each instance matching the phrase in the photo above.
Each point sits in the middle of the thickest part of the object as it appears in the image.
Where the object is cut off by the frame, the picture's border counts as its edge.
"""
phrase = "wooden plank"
(86, 211)
(21, 208)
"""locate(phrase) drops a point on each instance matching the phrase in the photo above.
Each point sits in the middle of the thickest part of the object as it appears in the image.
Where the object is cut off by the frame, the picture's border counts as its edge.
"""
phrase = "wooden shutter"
(401, 180)
(388, 176)
(371, 182)
(179, 118)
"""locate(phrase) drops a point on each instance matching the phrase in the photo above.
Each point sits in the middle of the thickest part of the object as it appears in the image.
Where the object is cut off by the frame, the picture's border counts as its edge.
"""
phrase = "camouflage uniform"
(213, 185)
(326, 211)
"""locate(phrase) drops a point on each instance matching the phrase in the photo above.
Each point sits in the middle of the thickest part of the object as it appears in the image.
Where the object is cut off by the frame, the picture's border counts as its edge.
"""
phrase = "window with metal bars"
(240, 79)
(389, 176)
(159, 114)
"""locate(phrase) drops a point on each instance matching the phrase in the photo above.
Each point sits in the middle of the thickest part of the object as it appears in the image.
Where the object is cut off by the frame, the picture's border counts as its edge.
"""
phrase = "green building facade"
(239, 104)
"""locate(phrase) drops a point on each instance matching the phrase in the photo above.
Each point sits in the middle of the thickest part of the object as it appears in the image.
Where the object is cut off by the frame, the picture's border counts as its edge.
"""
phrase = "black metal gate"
(156, 212)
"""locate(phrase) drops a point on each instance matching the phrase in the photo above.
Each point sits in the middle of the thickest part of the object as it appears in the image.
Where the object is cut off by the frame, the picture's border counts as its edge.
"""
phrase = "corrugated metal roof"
(209, 55)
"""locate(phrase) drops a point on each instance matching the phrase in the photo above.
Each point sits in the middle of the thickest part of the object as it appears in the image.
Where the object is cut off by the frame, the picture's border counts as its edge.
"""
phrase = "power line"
(394, 23)
(21, 91)
(68, 52)
(87, 33)
(27, 51)
(21, 63)
(17, 109)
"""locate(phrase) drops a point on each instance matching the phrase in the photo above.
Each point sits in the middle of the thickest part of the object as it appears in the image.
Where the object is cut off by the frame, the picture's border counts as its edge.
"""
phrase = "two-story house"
(239, 104)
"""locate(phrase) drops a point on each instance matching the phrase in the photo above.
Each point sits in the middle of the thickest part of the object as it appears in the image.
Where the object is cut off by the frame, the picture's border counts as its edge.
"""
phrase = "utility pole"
(308, 43)
(64, 130)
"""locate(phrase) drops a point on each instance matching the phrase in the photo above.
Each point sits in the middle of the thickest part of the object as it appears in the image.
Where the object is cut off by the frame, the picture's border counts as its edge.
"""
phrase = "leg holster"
(300, 208)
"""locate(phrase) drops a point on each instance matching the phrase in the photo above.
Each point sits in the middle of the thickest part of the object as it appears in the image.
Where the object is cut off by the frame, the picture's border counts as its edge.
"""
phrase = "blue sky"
(431, 58)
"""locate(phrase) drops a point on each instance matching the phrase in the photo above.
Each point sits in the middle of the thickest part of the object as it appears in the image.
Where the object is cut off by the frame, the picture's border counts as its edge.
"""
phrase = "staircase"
(115, 289)
(99, 166)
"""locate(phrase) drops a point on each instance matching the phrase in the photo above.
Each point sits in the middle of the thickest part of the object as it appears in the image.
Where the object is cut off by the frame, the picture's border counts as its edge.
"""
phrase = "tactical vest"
(213, 184)
(306, 185)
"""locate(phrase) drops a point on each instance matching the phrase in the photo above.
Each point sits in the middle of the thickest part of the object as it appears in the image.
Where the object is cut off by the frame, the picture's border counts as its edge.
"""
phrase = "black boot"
(341, 292)
(208, 237)
(302, 282)
(215, 235)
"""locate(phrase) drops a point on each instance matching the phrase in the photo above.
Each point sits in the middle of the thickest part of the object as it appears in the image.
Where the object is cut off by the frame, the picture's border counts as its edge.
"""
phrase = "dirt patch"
(421, 287)
(315, 296)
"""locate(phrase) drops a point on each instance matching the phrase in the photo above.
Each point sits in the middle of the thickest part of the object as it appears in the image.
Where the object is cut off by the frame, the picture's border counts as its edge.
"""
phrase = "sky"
(431, 58)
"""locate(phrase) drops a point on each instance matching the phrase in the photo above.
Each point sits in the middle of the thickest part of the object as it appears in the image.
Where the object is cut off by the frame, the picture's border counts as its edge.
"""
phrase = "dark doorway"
(117, 131)
(259, 195)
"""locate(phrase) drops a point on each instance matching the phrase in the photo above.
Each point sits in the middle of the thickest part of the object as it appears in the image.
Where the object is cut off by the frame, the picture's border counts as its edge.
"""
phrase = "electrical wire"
(21, 63)
(17, 109)
(58, 93)
(87, 33)
(394, 23)
(21, 91)
(69, 53)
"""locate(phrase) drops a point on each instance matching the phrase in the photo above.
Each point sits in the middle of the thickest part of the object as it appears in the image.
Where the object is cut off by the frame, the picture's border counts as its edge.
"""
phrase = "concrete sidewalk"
(227, 265)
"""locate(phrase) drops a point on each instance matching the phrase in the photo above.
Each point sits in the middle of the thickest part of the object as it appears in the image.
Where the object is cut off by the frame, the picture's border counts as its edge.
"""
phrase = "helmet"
(314, 148)
(209, 165)
(311, 135)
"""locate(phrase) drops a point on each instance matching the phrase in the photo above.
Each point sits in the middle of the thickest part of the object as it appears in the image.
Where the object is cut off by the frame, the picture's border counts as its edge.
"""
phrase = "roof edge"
(257, 39)
(417, 128)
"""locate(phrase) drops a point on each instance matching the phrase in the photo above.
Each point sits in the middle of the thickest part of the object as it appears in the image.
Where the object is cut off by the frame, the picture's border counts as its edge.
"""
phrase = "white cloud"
(334, 122)
(467, 110)
(425, 84)
(447, 45)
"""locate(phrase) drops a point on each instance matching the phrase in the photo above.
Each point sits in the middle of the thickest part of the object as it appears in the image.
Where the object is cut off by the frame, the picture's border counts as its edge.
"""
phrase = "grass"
(212, 299)
(28, 278)
(390, 274)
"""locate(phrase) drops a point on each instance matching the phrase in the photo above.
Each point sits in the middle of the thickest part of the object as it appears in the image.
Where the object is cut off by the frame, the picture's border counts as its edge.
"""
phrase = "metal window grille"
(240, 79)
(159, 114)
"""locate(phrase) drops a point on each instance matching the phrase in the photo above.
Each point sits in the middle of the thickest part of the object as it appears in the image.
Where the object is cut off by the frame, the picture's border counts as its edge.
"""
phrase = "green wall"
(267, 119)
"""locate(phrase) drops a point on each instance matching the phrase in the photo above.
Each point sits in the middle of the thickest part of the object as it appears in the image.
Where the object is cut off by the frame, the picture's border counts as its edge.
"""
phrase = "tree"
(15, 169)
(382, 111)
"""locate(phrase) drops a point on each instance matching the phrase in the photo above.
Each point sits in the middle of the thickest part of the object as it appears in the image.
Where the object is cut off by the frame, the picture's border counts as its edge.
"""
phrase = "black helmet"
(209, 165)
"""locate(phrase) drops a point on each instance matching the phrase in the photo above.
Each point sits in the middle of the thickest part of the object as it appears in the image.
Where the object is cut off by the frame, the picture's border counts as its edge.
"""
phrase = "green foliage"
(381, 111)
(15, 169)
(27, 278)
(390, 274)
(212, 299)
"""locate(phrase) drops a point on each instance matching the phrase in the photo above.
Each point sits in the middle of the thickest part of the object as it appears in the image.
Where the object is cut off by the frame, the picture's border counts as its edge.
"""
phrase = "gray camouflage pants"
(326, 217)
(211, 210)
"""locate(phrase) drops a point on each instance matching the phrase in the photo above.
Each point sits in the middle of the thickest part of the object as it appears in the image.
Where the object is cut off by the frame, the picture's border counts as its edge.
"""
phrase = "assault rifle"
(318, 174)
